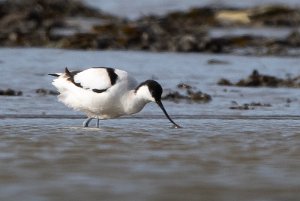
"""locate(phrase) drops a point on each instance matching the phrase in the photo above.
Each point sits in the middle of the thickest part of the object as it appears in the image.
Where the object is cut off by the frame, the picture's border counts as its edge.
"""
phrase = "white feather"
(93, 78)
(103, 105)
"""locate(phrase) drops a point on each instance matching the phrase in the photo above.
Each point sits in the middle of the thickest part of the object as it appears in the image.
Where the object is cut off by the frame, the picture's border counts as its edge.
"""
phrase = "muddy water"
(220, 154)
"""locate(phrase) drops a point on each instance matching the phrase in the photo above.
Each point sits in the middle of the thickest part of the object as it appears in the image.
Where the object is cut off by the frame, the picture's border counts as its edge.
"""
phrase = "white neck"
(133, 102)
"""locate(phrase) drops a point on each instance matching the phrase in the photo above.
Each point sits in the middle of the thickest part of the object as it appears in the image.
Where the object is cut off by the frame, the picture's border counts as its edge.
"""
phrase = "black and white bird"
(105, 93)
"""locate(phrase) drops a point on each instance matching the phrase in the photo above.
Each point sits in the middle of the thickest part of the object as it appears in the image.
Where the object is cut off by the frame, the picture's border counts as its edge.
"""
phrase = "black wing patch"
(71, 75)
(112, 75)
(99, 90)
(113, 79)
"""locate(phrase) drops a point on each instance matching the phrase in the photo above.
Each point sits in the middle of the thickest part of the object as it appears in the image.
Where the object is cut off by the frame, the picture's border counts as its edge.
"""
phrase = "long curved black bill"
(159, 103)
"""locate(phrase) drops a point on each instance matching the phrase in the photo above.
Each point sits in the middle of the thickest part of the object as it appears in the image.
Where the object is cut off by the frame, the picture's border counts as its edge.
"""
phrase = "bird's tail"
(67, 73)
(54, 74)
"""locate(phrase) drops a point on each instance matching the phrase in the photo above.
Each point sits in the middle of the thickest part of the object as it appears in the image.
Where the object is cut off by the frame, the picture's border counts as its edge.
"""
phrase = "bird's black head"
(154, 88)
(155, 92)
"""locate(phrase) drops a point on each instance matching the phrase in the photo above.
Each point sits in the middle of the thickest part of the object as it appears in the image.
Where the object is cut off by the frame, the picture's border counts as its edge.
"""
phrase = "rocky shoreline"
(73, 25)
(256, 79)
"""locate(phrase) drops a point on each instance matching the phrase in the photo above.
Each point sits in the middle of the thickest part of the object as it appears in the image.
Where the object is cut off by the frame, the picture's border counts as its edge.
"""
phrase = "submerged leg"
(86, 122)
(97, 124)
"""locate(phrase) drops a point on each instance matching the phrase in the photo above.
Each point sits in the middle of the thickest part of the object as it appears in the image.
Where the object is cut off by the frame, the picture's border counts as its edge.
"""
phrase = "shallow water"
(210, 159)
(136, 8)
(219, 154)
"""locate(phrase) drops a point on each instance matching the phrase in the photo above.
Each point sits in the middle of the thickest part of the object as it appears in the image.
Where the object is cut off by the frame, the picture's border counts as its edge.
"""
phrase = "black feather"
(99, 90)
(54, 74)
(70, 76)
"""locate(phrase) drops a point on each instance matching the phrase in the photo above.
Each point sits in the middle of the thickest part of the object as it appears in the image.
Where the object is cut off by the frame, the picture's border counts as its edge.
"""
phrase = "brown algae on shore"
(255, 79)
(71, 24)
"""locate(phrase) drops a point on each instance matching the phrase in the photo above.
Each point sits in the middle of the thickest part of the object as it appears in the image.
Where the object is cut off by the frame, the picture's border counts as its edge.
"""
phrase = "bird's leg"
(86, 122)
(97, 124)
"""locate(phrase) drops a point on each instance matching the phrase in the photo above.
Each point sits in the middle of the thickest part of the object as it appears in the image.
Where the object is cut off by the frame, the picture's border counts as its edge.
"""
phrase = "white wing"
(101, 79)
(93, 78)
